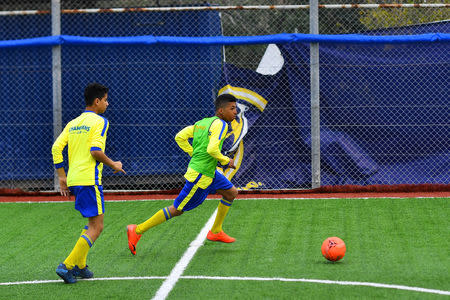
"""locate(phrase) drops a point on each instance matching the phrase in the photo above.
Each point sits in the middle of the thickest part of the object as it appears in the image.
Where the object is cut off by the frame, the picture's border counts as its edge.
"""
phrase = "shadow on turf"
(327, 262)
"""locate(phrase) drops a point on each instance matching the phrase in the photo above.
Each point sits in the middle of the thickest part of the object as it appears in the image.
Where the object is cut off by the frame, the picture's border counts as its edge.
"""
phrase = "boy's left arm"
(98, 144)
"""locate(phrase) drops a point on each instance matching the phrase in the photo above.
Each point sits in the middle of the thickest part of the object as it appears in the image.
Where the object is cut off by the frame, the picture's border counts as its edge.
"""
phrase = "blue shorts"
(89, 200)
(192, 196)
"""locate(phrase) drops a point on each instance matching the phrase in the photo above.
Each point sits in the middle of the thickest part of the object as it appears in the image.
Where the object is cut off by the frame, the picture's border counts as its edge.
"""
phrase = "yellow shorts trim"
(99, 200)
(188, 197)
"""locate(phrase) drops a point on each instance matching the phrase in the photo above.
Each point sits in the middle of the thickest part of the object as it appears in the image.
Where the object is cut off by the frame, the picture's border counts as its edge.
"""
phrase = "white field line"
(181, 265)
(355, 283)
(213, 199)
(236, 278)
(91, 279)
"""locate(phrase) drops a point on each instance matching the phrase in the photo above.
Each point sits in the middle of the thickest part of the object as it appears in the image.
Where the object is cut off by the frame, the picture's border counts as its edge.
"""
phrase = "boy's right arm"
(182, 138)
(63, 189)
(58, 160)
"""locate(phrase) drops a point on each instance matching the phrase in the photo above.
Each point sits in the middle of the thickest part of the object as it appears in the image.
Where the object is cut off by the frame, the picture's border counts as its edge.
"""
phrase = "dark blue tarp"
(144, 79)
(384, 116)
(273, 156)
(151, 86)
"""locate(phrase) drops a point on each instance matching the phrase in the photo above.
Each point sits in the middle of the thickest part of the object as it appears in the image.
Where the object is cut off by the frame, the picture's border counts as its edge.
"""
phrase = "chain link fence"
(384, 108)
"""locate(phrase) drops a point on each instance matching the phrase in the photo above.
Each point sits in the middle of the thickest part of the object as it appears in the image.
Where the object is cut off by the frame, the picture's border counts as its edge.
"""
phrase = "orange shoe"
(220, 237)
(133, 238)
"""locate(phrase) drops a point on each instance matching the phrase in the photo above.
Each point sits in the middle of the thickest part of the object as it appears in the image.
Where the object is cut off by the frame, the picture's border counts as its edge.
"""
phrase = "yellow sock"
(79, 253)
(222, 210)
(88, 239)
(161, 216)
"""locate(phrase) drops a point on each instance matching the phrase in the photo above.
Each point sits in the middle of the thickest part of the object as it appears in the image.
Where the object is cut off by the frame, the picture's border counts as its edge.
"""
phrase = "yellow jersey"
(83, 134)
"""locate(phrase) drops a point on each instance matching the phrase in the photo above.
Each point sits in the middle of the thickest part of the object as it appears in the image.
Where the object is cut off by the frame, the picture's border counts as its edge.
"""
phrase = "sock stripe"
(168, 211)
(224, 202)
(88, 240)
(165, 213)
(86, 227)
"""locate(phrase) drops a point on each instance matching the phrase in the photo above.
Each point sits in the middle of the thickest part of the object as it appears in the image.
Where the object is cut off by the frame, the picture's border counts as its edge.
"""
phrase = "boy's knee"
(175, 212)
(232, 194)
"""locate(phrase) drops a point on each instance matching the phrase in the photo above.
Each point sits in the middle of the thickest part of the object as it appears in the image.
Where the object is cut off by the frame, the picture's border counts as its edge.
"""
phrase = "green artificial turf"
(389, 241)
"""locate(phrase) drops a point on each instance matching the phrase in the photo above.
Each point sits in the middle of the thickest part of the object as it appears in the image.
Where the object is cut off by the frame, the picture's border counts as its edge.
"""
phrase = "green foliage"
(396, 17)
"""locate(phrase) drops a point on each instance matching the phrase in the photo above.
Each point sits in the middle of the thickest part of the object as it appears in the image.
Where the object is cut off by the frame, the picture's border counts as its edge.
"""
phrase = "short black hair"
(223, 100)
(94, 91)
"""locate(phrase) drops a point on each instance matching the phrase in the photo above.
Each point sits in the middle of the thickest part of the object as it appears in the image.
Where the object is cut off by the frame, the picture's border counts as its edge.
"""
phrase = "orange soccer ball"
(333, 248)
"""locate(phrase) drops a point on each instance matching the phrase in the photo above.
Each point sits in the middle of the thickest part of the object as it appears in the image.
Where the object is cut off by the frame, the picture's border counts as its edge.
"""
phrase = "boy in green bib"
(202, 178)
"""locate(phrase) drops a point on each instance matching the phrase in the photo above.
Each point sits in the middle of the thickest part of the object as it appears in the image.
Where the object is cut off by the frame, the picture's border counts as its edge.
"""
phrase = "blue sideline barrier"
(282, 38)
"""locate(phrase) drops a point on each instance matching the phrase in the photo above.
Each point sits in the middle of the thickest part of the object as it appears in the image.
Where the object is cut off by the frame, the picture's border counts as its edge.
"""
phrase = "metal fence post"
(56, 77)
(315, 100)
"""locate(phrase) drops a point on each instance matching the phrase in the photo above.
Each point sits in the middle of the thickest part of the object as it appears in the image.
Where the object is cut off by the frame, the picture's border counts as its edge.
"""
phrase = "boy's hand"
(231, 164)
(117, 167)
(63, 189)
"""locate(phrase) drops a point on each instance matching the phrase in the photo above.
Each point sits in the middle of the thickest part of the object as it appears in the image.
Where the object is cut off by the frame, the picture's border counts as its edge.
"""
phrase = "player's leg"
(89, 201)
(95, 228)
(84, 230)
(224, 206)
(191, 196)
(91, 205)
(228, 192)
(159, 217)
(134, 232)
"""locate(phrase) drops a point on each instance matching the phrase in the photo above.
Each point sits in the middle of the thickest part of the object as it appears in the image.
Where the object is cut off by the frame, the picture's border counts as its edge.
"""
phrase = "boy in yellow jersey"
(202, 178)
(86, 138)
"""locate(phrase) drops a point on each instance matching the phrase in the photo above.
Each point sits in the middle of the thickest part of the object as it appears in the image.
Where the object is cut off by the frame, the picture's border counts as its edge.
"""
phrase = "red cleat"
(133, 238)
(220, 237)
